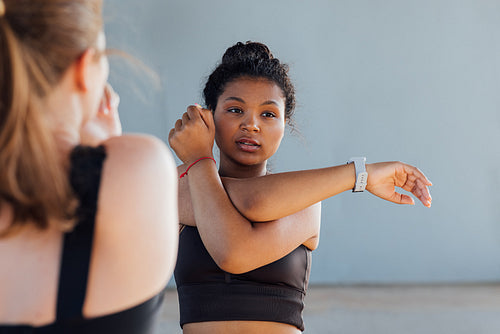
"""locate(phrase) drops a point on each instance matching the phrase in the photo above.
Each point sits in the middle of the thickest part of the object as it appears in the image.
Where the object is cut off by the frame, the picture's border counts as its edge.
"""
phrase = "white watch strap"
(361, 173)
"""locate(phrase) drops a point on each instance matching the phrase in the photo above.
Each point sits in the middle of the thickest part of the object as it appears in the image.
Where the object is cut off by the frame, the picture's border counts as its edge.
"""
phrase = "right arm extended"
(224, 222)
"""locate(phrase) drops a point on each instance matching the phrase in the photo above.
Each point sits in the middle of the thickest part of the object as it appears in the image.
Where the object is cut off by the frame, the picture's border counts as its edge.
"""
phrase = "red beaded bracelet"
(185, 173)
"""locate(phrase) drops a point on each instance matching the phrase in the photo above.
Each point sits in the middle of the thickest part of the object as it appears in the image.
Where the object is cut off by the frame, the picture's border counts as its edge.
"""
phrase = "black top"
(274, 292)
(85, 176)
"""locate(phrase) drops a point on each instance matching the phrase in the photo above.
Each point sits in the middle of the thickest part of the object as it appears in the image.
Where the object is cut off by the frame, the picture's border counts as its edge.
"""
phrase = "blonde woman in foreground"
(88, 220)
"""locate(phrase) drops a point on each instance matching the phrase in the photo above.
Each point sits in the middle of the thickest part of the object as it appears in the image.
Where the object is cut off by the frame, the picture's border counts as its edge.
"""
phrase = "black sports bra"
(274, 292)
(86, 166)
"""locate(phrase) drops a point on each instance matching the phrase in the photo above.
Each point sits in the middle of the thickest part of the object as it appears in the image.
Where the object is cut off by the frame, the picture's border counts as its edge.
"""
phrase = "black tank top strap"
(85, 178)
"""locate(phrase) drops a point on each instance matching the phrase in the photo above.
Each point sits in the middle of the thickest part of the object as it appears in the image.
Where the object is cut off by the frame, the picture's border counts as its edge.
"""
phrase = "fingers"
(404, 199)
(388, 175)
(415, 182)
(114, 100)
(178, 125)
(418, 184)
(206, 115)
(170, 135)
(399, 198)
(417, 173)
(108, 91)
(421, 191)
(193, 113)
(411, 179)
(424, 196)
(185, 118)
(197, 113)
(110, 100)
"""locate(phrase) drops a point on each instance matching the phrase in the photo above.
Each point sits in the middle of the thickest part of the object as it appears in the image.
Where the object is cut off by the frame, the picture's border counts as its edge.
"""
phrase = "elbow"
(312, 243)
(232, 263)
(253, 209)
(245, 206)
(250, 205)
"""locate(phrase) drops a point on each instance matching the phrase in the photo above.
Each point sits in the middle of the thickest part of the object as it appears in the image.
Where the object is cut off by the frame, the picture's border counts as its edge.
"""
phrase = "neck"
(65, 118)
(239, 171)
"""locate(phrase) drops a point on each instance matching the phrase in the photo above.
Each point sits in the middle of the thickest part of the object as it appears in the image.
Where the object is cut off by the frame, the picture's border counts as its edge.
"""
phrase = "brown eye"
(269, 114)
(235, 110)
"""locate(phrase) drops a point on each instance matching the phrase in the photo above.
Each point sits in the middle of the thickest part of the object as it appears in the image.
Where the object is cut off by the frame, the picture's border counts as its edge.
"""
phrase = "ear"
(83, 70)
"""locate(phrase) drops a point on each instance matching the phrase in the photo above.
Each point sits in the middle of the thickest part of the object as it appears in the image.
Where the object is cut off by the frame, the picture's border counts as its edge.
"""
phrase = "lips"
(247, 145)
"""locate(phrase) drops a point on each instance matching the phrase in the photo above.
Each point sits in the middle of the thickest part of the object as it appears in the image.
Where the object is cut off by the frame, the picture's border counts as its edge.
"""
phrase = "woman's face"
(249, 121)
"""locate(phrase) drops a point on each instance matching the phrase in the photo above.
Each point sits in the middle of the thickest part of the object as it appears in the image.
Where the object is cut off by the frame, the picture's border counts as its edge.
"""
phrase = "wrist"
(192, 159)
(351, 176)
(196, 162)
(361, 173)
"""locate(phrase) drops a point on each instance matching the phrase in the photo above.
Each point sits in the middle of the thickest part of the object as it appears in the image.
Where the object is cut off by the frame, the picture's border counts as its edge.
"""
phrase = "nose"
(250, 123)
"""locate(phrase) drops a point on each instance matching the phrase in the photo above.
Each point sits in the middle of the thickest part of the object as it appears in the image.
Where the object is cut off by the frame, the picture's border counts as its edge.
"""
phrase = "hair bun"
(249, 51)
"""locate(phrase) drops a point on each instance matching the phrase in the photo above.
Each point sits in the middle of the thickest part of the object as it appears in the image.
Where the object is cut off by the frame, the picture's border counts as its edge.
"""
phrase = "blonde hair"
(39, 40)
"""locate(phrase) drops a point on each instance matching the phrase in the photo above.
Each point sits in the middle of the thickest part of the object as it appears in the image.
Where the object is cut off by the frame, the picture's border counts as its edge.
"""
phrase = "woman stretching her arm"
(234, 274)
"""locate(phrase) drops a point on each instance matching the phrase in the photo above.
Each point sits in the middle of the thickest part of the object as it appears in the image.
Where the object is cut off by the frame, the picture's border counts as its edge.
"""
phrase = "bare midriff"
(239, 327)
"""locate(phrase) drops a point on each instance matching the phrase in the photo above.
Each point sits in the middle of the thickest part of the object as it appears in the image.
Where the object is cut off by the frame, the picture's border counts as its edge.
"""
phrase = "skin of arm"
(254, 196)
(226, 229)
(136, 225)
(236, 244)
(307, 215)
(273, 196)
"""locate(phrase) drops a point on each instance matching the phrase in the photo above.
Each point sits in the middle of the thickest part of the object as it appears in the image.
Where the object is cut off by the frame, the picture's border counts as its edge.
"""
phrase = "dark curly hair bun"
(251, 60)
(250, 51)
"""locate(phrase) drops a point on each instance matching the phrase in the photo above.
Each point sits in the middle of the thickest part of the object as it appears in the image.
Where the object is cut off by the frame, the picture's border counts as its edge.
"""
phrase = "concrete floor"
(433, 309)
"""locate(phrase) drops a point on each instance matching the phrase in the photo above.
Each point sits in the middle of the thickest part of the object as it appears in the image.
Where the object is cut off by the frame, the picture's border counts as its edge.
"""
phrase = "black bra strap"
(85, 177)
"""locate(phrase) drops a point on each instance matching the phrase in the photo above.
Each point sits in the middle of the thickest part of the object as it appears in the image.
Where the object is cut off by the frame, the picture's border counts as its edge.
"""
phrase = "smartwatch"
(361, 173)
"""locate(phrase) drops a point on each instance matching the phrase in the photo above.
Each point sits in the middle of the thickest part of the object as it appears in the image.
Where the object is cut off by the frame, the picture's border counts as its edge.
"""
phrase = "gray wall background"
(413, 80)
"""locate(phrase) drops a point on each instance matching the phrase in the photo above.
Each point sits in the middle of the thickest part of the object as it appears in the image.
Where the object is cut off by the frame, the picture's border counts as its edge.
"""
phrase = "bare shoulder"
(136, 224)
(138, 151)
(137, 208)
(139, 176)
